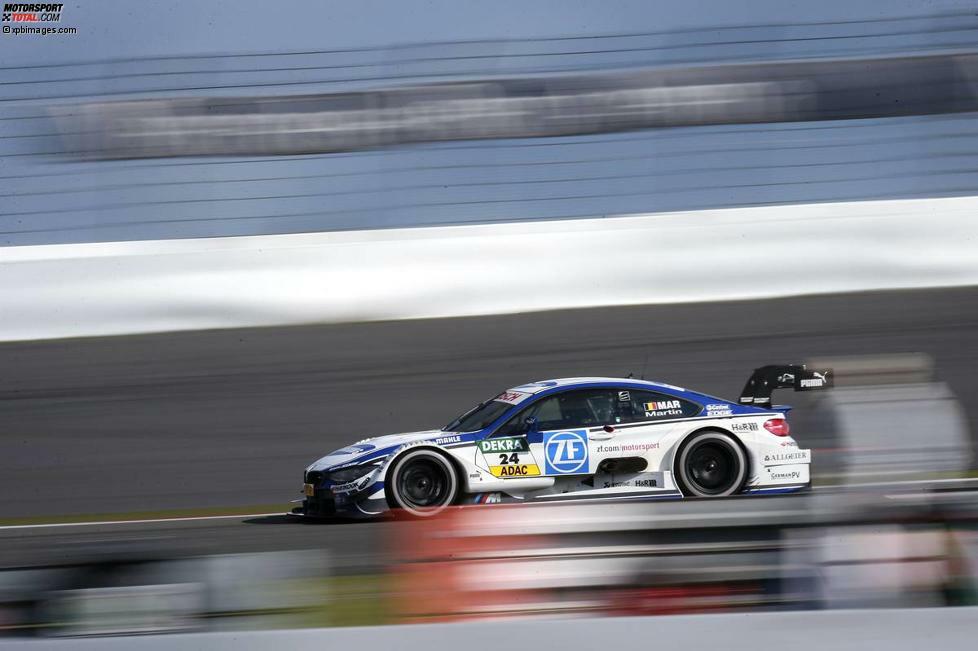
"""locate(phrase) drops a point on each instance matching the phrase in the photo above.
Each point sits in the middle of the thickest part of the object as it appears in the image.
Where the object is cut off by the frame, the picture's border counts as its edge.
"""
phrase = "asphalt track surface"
(230, 418)
(352, 546)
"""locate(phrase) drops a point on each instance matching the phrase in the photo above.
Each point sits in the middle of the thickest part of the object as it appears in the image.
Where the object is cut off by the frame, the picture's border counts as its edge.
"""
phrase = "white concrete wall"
(111, 288)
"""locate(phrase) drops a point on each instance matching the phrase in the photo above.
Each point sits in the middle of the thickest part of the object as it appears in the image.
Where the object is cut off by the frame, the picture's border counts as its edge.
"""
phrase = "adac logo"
(566, 452)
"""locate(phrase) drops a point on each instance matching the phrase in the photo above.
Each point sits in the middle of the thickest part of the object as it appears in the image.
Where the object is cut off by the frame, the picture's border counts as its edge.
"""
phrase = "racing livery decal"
(512, 397)
(566, 452)
(663, 408)
(744, 427)
(631, 480)
(782, 458)
(509, 457)
(515, 444)
(359, 448)
(794, 474)
(512, 467)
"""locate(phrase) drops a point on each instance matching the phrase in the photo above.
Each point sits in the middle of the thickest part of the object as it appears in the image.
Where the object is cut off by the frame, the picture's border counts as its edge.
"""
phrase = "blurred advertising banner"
(526, 107)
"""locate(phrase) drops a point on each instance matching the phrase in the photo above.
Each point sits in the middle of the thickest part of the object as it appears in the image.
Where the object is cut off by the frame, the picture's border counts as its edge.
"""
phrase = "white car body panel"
(616, 461)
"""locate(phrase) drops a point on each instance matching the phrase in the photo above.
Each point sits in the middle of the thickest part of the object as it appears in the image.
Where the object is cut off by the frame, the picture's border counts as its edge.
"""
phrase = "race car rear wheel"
(422, 483)
(710, 464)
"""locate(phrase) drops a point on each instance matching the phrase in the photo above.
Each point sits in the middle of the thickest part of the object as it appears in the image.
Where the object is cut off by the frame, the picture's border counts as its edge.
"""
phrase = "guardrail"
(883, 545)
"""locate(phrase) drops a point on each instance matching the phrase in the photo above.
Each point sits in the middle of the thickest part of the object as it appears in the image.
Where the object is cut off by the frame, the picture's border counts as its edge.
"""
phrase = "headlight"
(353, 473)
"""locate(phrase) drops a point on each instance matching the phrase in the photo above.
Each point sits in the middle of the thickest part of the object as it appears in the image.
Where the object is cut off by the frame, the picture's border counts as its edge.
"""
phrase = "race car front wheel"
(710, 464)
(422, 483)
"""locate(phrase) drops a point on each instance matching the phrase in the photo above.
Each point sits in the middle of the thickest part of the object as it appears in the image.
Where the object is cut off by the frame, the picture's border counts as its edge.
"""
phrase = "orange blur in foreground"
(682, 557)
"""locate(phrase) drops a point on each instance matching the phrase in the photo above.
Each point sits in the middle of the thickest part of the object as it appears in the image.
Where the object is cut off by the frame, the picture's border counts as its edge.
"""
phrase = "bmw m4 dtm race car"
(575, 439)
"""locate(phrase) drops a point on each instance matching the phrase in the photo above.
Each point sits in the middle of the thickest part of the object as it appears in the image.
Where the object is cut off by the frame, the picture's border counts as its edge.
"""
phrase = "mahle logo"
(504, 445)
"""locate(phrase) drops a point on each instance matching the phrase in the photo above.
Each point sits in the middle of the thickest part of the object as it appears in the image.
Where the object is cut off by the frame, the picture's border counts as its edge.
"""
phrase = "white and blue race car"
(575, 439)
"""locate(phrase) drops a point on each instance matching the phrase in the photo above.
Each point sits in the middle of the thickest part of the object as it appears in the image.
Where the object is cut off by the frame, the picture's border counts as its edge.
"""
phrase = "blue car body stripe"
(777, 489)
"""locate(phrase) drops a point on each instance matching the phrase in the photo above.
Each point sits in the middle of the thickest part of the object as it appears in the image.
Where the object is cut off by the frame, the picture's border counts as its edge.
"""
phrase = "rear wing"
(763, 381)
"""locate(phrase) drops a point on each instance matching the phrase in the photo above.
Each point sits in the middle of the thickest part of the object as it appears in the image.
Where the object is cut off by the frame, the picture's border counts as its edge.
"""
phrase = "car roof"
(543, 385)
(625, 383)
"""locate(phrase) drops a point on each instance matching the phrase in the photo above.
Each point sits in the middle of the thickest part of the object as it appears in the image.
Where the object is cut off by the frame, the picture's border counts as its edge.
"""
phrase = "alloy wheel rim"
(423, 484)
(711, 467)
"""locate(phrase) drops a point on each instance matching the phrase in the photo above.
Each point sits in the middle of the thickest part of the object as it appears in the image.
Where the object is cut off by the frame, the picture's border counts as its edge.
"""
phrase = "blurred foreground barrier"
(836, 549)
(891, 419)
(887, 546)
(122, 591)
(893, 630)
(153, 286)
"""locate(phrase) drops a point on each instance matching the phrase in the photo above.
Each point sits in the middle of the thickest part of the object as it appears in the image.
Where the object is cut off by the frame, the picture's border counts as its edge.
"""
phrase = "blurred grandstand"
(836, 110)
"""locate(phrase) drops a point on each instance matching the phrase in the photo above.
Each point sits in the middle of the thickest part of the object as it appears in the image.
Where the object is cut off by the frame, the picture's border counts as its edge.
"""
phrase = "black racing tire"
(421, 483)
(710, 463)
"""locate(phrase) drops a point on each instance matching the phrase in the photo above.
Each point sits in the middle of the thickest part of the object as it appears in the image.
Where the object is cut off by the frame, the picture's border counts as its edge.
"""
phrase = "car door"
(556, 442)
(645, 424)
(614, 430)
(557, 439)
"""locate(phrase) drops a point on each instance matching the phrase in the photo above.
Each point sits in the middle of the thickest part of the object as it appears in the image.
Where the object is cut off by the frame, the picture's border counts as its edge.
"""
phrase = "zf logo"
(566, 452)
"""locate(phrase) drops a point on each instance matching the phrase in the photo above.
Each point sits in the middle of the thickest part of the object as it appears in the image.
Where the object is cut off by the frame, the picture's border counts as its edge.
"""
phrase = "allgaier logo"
(19, 12)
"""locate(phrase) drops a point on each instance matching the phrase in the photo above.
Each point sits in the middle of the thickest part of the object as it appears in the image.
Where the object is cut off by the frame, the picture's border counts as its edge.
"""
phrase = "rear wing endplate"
(763, 381)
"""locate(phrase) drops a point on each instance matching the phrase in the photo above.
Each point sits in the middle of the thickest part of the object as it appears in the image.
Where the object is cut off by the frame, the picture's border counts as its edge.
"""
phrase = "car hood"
(372, 448)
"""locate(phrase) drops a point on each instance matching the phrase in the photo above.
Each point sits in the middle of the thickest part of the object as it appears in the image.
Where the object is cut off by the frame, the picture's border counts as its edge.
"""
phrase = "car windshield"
(480, 417)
